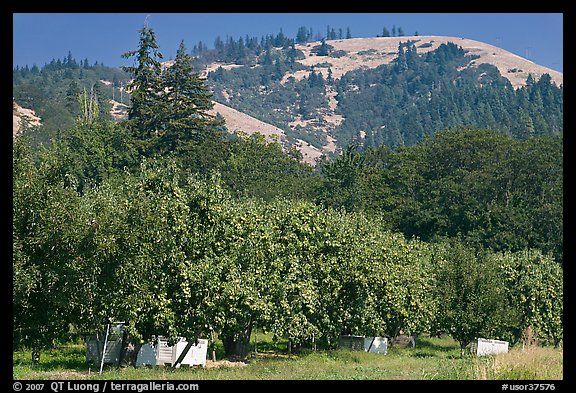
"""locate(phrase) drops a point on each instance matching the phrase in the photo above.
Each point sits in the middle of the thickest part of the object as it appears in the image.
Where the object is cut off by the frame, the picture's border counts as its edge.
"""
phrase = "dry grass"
(373, 52)
(532, 363)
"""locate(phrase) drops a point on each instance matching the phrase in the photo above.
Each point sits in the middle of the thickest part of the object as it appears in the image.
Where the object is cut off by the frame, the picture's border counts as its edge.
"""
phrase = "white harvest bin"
(196, 355)
(164, 352)
(376, 344)
(483, 347)
(160, 353)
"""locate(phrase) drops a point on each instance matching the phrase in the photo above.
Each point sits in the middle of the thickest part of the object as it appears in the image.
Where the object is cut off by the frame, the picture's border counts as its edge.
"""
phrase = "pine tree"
(324, 49)
(302, 35)
(186, 103)
(330, 78)
(72, 94)
(385, 32)
(146, 87)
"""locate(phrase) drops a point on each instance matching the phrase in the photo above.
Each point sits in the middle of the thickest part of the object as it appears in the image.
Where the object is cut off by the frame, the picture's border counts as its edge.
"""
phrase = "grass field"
(432, 359)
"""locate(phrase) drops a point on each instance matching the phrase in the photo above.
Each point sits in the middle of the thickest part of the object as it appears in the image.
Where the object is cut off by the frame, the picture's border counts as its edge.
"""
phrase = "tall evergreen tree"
(186, 103)
(302, 35)
(146, 87)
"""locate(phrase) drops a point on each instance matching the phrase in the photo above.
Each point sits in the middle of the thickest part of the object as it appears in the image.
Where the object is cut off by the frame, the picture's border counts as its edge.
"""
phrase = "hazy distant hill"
(340, 110)
(373, 52)
(354, 92)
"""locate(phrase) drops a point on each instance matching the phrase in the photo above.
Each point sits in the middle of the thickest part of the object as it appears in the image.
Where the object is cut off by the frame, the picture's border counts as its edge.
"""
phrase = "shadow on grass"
(67, 357)
(424, 355)
(426, 343)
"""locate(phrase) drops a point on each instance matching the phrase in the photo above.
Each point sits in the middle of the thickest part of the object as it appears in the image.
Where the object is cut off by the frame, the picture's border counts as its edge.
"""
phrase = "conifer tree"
(302, 35)
(146, 87)
(186, 103)
(324, 49)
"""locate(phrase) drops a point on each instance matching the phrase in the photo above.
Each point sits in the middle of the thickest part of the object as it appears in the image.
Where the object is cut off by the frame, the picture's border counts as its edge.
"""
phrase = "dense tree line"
(172, 225)
(172, 254)
(395, 104)
(246, 50)
(494, 190)
(401, 103)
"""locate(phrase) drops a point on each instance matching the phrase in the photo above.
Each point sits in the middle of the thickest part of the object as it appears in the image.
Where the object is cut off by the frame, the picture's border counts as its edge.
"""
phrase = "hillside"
(19, 115)
(373, 52)
(238, 121)
(342, 106)
(281, 99)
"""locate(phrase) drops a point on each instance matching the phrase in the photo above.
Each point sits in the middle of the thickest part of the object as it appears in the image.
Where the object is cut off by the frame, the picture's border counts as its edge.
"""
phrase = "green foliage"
(146, 87)
(495, 191)
(53, 91)
(213, 234)
(44, 235)
(260, 169)
(535, 286)
(418, 95)
(172, 254)
(339, 187)
(185, 104)
(471, 295)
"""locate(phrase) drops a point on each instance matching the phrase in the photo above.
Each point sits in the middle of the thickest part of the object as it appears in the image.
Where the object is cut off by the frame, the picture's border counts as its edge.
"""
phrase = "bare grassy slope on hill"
(373, 52)
(370, 53)
(239, 121)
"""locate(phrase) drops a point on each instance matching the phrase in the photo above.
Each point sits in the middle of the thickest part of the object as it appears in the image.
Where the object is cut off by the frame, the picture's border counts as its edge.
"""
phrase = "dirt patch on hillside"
(19, 115)
(239, 121)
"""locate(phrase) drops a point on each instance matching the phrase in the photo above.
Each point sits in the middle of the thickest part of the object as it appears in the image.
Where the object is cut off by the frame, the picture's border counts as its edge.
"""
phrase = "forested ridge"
(168, 222)
(415, 94)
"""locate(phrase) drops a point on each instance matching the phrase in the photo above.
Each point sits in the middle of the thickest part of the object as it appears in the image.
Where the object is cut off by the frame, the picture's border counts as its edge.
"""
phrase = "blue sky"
(103, 37)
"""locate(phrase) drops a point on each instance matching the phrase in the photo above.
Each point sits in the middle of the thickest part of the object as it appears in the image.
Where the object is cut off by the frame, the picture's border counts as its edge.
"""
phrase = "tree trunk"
(462, 349)
(129, 351)
(35, 355)
(293, 348)
(237, 344)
